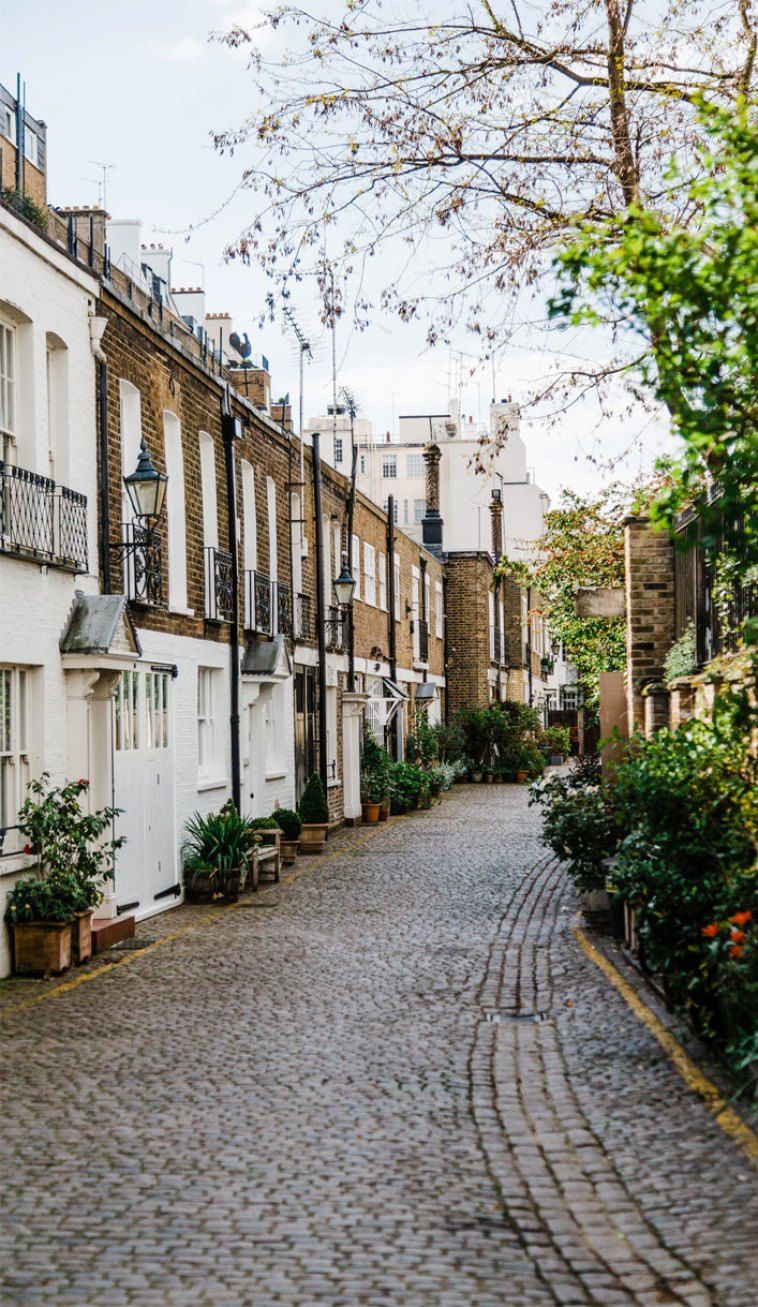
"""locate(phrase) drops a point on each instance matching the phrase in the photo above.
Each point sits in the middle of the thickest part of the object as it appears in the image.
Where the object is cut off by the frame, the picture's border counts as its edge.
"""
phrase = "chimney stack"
(496, 516)
(431, 526)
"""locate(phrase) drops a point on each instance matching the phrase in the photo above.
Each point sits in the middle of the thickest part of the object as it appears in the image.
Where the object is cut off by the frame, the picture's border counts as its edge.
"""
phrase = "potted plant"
(405, 784)
(291, 825)
(314, 813)
(216, 855)
(73, 850)
(40, 911)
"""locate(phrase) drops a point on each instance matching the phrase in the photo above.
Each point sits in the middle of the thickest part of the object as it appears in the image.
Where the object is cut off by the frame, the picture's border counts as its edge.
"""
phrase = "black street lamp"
(146, 488)
(344, 586)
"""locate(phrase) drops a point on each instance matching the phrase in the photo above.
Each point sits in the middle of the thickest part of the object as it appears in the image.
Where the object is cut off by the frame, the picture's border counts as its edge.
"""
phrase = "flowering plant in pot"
(68, 842)
(41, 911)
(314, 814)
(290, 824)
(216, 855)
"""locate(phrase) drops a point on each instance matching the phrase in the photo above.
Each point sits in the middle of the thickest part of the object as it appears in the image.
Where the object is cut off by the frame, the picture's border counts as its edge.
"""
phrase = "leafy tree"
(583, 545)
(495, 128)
(689, 294)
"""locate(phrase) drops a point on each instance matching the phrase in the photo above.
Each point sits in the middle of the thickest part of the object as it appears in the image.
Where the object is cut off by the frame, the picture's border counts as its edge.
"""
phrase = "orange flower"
(710, 931)
(736, 952)
(738, 936)
(741, 918)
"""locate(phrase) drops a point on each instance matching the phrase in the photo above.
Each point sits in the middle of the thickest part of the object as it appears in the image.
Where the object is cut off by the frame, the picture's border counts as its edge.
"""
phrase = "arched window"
(56, 379)
(177, 525)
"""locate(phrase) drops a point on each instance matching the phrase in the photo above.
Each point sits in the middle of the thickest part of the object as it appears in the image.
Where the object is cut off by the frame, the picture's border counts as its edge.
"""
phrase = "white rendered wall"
(52, 296)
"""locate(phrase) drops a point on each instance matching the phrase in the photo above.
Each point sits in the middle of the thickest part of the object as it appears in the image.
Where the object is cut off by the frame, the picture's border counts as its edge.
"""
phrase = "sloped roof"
(99, 624)
(267, 658)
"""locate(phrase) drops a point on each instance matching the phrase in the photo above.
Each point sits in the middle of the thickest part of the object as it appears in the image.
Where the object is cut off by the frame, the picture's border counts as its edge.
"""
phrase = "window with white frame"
(126, 733)
(427, 598)
(208, 487)
(386, 506)
(31, 147)
(7, 387)
(209, 732)
(338, 449)
(363, 464)
(156, 706)
(419, 511)
(382, 566)
(326, 545)
(369, 573)
(176, 513)
(389, 466)
(415, 466)
(439, 611)
(396, 583)
(357, 566)
(274, 731)
(415, 610)
(405, 512)
(336, 554)
(7, 123)
(273, 559)
(332, 743)
(14, 742)
(491, 600)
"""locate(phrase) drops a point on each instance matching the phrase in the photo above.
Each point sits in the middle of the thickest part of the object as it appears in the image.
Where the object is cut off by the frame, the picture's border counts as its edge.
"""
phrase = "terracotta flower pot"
(289, 851)
(522, 776)
(371, 813)
(207, 887)
(81, 932)
(41, 947)
(313, 837)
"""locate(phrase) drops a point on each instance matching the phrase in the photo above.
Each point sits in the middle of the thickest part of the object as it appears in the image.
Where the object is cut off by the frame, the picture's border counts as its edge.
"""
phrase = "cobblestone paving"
(339, 1094)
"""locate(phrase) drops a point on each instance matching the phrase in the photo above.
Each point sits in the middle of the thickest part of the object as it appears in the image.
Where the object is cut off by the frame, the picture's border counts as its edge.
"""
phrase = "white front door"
(147, 878)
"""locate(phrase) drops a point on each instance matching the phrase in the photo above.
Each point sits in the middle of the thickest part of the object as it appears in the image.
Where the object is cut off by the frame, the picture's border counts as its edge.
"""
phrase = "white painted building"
(55, 707)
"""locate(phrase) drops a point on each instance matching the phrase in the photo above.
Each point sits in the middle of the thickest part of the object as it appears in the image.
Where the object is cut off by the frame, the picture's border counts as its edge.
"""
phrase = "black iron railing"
(334, 627)
(423, 640)
(258, 607)
(142, 564)
(718, 619)
(219, 599)
(303, 627)
(283, 609)
(41, 520)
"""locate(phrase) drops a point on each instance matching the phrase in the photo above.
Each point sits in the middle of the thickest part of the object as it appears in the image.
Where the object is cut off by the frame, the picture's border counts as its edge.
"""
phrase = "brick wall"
(649, 563)
(469, 581)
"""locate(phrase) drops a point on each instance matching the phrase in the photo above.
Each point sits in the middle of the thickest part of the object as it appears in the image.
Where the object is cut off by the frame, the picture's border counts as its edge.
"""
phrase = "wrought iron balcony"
(219, 599)
(41, 520)
(334, 627)
(283, 609)
(423, 640)
(258, 607)
(142, 564)
(303, 626)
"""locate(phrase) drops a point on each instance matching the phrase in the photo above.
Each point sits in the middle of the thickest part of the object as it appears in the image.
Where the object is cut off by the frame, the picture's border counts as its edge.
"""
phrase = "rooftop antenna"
(102, 185)
(304, 349)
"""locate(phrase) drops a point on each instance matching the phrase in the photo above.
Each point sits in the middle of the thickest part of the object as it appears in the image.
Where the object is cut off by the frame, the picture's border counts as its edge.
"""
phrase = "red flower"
(736, 951)
(710, 931)
(83, 782)
(741, 918)
(738, 936)
(27, 848)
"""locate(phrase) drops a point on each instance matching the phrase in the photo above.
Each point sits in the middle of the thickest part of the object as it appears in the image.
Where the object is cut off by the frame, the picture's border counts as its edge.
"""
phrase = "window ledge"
(182, 612)
(276, 775)
(211, 783)
(335, 780)
(11, 866)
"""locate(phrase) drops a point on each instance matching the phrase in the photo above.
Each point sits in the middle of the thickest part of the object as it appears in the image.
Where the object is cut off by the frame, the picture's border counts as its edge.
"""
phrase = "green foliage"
(290, 823)
(376, 765)
(424, 745)
(493, 738)
(681, 659)
(48, 898)
(557, 739)
(218, 842)
(407, 783)
(313, 807)
(62, 836)
(27, 207)
(688, 803)
(578, 824)
(687, 289)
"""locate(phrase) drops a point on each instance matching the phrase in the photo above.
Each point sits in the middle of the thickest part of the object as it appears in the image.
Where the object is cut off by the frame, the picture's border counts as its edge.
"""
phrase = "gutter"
(230, 429)
(323, 757)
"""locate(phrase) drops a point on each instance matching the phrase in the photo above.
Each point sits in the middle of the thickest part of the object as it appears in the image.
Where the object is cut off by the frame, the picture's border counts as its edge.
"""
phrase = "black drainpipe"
(350, 560)
(230, 431)
(105, 515)
(323, 759)
(391, 615)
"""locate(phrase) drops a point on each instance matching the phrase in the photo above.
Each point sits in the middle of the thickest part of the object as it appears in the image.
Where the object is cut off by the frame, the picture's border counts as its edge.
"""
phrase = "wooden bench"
(266, 860)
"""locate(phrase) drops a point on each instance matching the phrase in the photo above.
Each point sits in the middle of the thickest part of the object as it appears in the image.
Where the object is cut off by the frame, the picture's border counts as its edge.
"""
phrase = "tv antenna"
(102, 182)
(305, 351)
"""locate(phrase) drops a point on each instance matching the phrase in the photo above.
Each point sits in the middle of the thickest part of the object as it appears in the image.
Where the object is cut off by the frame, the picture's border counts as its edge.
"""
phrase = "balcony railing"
(219, 599)
(423, 640)
(283, 609)
(334, 627)
(41, 520)
(303, 626)
(142, 565)
(258, 607)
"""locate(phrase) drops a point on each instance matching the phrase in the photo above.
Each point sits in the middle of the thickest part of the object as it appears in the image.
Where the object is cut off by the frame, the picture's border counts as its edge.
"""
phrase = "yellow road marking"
(730, 1121)
(314, 862)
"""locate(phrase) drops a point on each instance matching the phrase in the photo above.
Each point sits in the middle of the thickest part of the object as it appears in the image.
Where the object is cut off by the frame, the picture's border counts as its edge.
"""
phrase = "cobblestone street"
(337, 1093)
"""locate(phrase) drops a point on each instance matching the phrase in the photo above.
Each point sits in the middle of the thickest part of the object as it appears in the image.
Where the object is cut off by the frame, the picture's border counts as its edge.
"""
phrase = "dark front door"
(305, 726)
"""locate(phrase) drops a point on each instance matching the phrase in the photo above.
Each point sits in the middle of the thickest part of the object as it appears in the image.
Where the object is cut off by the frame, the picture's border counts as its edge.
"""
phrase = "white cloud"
(187, 50)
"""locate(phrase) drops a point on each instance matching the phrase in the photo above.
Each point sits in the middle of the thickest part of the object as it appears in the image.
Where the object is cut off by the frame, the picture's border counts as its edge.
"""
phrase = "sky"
(138, 86)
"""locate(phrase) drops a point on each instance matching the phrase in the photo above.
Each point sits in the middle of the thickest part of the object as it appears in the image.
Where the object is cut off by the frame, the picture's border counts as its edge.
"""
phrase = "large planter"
(289, 851)
(41, 947)
(384, 809)
(313, 837)
(81, 936)
(371, 813)
(594, 900)
(209, 887)
(477, 776)
(522, 776)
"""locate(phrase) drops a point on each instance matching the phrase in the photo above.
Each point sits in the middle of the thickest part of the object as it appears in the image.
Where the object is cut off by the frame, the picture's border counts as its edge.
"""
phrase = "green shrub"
(375, 771)
(681, 659)
(218, 842)
(290, 823)
(557, 739)
(27, 207)
(313, 807)
(56, 897)
(578, 824)
(406, 785)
